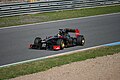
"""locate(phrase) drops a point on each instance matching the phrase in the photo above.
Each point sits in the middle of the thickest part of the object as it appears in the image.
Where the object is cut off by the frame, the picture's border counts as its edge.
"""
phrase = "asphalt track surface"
(14, 42)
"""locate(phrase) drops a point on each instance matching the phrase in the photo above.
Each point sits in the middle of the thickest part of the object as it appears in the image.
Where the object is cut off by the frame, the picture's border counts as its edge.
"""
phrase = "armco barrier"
(29, 8)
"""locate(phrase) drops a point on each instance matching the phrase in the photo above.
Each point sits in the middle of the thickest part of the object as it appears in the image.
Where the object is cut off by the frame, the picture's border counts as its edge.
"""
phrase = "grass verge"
(51, 16)
(43, 65)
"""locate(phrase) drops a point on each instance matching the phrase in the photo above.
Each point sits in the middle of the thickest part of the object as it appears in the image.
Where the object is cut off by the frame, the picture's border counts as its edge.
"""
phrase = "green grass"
(43, 65)
(51, 16)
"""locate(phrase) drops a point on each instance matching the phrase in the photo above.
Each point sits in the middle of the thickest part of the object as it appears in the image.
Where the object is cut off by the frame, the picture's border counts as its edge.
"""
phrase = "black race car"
(60, 41)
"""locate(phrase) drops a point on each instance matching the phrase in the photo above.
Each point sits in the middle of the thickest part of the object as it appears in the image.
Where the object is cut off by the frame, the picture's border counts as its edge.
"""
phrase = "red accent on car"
(50, 36)
(56, 47)
(30, 46)
(60, 36)
(77, 32)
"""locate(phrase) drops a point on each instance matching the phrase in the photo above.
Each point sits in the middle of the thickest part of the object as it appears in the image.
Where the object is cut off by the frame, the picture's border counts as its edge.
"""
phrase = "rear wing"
(76, 31)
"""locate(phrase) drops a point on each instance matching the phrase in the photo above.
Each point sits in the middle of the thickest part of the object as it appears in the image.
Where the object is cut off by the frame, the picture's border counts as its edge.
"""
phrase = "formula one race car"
(60, 41)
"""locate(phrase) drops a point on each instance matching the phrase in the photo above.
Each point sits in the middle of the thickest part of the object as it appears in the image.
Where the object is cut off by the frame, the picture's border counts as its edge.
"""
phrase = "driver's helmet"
(58, 35)
(60, 32)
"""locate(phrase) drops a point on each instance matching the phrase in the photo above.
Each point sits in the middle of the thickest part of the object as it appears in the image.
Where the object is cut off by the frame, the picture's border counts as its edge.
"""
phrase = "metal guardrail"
(29, 8)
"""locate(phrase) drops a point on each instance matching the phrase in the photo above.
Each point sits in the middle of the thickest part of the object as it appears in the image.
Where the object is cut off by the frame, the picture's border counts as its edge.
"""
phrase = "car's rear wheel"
(80, 40)
(60, 42)
(38, 43)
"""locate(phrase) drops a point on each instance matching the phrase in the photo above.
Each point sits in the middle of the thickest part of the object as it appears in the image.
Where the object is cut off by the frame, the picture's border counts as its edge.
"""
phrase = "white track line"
(51, 56)
(60, 54)
(60, 20)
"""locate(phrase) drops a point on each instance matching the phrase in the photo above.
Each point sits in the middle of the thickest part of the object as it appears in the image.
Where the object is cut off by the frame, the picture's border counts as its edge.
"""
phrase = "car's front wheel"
(38, 43)
(60, 42)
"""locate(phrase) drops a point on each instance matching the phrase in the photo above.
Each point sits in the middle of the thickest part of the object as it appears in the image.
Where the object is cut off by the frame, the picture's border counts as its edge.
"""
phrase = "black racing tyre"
(61, 43)
(37, 42)
(80, 40)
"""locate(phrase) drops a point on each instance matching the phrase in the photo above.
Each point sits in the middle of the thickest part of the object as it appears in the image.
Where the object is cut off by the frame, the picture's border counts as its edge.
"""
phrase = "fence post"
(72, 1)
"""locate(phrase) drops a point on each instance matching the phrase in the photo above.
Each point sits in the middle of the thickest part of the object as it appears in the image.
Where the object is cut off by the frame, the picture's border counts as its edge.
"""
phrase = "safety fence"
(48, 6)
